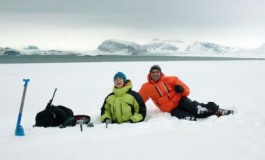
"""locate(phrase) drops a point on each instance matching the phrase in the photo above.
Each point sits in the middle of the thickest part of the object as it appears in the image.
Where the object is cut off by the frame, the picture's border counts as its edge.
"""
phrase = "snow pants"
(192, 110)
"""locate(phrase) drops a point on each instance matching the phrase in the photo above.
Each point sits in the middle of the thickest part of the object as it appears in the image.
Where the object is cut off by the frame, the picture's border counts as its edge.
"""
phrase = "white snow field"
(237, 85)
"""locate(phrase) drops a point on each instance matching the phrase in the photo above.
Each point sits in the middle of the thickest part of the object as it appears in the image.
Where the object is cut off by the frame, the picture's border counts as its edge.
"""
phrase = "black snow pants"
(192, 110)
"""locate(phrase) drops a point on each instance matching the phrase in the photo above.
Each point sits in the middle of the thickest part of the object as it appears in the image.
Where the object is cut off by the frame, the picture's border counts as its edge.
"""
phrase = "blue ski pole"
(19, 129)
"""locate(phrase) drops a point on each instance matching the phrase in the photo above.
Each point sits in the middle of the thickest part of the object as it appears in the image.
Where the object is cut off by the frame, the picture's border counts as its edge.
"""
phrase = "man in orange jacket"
(170, 95)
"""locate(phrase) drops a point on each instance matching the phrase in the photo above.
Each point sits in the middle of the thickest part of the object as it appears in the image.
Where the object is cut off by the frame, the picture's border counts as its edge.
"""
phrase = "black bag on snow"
(54, 116)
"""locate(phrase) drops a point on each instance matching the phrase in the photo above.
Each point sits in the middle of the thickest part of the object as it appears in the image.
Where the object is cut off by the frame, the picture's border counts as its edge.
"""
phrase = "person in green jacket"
(123, 104)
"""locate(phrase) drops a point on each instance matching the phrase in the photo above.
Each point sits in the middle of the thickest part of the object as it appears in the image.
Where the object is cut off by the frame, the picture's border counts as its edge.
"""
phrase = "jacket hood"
(122, 91)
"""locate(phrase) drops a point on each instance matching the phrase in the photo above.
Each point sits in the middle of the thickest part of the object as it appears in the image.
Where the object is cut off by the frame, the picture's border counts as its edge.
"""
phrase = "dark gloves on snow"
(179, 88)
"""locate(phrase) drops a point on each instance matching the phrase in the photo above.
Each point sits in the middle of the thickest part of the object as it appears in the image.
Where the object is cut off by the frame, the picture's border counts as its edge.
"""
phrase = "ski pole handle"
(50, 102)
(53, 94)
(26, 81)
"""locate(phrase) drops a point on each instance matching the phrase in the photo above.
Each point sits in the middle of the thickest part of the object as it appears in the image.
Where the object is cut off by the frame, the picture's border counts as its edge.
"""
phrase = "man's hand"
(179, 88)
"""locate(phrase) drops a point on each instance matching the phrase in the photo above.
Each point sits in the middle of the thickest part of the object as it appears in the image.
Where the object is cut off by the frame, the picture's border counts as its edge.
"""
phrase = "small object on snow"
(81, 127)
(223, 112)
(82, 119)
(90, 124)
(107, 121)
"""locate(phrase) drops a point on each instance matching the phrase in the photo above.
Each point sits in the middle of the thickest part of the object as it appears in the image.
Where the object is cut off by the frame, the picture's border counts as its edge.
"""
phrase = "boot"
(222, 112)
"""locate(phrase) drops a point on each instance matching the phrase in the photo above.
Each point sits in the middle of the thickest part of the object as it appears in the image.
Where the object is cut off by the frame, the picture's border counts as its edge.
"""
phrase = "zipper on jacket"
(158, 90)
(165, 86)
(113, 111)
(121, 108)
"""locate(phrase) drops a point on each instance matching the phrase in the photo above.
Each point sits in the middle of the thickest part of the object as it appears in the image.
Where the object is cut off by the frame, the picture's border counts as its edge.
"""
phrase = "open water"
(106, 58)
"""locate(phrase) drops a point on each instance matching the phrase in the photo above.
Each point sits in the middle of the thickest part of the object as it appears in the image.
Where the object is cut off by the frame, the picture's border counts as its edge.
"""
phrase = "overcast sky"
(84, 24)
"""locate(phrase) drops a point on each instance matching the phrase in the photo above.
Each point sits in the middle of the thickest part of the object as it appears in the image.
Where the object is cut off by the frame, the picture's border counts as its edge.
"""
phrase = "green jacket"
(123, 105)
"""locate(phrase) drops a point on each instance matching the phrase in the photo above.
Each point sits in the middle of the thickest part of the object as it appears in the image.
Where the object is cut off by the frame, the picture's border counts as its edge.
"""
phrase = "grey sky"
(85, 24)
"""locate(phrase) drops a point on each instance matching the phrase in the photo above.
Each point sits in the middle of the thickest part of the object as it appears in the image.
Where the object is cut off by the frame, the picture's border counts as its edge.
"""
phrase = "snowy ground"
(237, 85)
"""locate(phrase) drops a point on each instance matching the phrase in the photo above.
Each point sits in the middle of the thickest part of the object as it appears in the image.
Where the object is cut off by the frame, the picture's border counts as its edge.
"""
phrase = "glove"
(179, 88)
(107, 121)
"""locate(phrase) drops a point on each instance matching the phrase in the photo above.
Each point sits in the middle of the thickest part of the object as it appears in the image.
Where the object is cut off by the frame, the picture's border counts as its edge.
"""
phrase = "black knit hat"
(155, 67)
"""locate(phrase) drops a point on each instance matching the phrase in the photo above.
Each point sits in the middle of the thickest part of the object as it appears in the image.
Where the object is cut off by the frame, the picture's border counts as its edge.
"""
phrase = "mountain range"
(154, 47)
(157, 46)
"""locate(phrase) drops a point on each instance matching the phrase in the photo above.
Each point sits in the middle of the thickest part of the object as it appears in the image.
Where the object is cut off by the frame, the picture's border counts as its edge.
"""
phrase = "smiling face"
(155, 75)
(119, 83)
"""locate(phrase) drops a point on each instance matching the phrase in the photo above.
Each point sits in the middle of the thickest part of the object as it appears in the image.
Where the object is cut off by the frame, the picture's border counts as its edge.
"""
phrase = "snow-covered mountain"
(154, 47)
(164, 46)
(9, 51)
(157, 45)
(34, 50)
(259, 50)
(119, 46)
(48, 52)
(207, 47)
(31, 48)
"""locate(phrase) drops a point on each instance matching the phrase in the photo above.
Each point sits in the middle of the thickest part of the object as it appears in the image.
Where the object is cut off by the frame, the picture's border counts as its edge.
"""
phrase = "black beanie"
(155, 67)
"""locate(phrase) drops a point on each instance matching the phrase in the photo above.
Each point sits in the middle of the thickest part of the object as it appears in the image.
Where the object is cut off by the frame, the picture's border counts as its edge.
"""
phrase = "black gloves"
(179, 88)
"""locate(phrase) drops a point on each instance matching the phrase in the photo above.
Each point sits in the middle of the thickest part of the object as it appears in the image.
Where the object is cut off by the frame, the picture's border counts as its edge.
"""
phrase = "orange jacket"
(163, 92)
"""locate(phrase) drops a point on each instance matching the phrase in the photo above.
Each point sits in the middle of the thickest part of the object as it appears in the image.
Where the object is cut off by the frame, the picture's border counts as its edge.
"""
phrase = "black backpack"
(54, 116)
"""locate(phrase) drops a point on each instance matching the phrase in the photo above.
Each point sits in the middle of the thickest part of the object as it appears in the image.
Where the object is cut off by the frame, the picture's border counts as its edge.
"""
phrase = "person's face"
(119, 83)
(155, 75)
